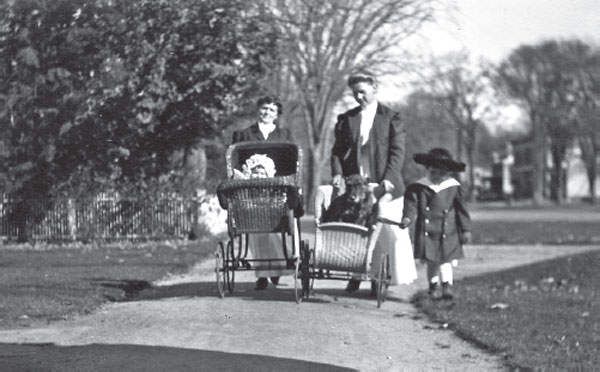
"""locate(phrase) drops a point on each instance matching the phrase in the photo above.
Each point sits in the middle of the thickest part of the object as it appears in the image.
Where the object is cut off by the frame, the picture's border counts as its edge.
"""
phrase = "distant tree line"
(109, 94)
(120, 95)
(558, 85)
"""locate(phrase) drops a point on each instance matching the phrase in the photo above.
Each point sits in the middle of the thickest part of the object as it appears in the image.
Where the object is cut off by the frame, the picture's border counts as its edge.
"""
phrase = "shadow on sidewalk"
(133, 290)
(100, 357)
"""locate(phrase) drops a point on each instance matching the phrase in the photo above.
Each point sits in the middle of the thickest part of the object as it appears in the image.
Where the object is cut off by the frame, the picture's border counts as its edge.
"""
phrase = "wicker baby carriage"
(259, 206)
(342, 251)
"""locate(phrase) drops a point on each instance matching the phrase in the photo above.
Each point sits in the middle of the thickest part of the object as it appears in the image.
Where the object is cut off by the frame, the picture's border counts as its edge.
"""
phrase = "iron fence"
(97, 219)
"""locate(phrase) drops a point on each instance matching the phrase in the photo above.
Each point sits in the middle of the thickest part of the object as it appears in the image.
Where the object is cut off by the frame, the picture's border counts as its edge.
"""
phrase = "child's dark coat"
(439, 219)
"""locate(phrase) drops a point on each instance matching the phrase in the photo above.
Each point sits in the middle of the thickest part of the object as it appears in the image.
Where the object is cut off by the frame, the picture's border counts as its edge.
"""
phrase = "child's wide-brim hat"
(441, 159)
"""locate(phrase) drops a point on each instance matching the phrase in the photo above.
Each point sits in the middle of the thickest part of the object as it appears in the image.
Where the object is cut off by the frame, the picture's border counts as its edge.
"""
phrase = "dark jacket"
(252, 133)
(439, 221)
(387, 138)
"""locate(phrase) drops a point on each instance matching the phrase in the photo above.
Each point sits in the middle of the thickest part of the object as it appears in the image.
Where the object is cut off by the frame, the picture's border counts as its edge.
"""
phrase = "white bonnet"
(256, 160)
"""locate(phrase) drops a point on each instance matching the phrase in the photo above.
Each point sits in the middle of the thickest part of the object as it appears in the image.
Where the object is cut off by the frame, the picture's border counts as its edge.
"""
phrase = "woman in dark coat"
(266, 128)
(266, 246)
(436, 205)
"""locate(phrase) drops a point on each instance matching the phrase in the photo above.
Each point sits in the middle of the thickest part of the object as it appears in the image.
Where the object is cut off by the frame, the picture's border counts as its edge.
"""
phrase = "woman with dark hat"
(437, 207)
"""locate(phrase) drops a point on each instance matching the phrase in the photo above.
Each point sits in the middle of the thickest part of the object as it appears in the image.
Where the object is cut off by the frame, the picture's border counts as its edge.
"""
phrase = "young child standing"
(436, 206)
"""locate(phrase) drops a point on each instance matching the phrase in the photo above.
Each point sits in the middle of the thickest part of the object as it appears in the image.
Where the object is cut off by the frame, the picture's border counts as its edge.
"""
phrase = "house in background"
(514, 169)
(498, 183)
(482, 184)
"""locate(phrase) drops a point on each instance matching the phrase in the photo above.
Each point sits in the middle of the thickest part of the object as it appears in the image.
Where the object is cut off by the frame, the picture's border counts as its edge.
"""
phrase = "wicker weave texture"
(258, 210)
(343, 247)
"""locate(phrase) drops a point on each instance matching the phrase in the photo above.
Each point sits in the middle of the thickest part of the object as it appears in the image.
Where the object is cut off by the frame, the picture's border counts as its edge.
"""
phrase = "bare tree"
(588, 130)
(322, 42)
(539, 78)
(585, 96)
(463, 90)
(427, 127)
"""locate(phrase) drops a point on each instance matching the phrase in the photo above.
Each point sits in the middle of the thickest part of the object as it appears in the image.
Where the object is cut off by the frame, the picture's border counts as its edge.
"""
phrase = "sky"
(493, 28)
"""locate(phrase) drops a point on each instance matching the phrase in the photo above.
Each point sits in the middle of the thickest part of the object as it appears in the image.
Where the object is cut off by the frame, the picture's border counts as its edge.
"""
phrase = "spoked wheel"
(230, 270)
(382, 280)
(305, 268)
(220, 269)
(297, 254)
(297, 280)
(313, 271)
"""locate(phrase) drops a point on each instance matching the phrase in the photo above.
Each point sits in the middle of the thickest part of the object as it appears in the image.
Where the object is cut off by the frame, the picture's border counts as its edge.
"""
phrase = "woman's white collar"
(266, 129)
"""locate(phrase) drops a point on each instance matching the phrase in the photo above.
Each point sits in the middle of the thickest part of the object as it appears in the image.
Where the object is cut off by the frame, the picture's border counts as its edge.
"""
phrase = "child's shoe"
(434, 291)
(261, 284)
(447, 291)
(353, 285)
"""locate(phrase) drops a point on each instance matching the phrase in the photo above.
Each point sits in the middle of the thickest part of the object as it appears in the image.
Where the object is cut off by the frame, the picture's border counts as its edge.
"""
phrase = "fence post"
(23, 221)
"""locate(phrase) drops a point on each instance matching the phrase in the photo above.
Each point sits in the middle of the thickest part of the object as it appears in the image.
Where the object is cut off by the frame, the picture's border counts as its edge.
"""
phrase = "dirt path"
(181, 325)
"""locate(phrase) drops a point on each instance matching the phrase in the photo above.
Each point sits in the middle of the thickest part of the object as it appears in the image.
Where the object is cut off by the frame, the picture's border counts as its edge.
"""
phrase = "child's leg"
(447, 280)
(433, 278)
(446, 274)
(433, 272)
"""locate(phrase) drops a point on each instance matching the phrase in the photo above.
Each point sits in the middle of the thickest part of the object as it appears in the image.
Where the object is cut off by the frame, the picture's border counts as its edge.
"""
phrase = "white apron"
(270, 246)
(396, 242)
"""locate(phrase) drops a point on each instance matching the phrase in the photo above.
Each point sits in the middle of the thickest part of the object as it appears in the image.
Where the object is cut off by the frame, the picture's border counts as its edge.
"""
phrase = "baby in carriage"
(256, 166)
(356, 205)
(263, 246)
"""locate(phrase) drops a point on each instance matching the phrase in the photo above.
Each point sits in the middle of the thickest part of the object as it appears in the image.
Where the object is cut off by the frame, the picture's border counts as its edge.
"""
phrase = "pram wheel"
(220, 269)
(305, 275)
(229, 271)
(297, 281)
(383, 280)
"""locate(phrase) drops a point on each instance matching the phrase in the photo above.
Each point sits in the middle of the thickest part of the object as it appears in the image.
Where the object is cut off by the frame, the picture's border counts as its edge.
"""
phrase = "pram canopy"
(286, 155)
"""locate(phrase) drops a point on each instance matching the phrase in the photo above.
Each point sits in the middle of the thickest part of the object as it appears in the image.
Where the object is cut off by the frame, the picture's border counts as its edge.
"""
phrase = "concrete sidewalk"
(182, 322)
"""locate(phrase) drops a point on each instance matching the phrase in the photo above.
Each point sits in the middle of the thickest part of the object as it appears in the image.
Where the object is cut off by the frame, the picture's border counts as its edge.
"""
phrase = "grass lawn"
(42, 283)
(536, 232)
(549, 224)
(544, 316)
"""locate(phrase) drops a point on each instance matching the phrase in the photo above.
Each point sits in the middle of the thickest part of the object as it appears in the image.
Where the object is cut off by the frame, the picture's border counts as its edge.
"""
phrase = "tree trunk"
(470, 147)
(471, 161)
(592, 178)
(593, 190)
(540, 164)
(313, 180)
(21, 217)
(459, 141)
(557, 184)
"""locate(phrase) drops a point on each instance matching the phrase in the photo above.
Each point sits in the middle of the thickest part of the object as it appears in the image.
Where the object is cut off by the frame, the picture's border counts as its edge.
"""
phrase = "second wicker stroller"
(343, 251)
